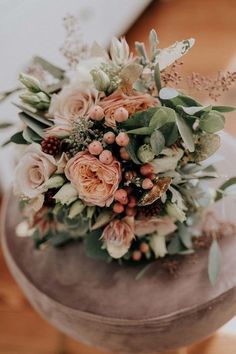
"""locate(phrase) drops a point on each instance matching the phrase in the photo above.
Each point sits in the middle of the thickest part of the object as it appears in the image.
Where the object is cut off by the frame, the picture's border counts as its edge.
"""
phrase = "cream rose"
(32, 171)
(163, 226)
(70, 104)
(95, 182)
(118, 235)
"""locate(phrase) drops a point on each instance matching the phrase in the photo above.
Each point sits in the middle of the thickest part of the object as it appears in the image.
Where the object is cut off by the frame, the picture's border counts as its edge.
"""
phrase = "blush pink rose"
(118, 235)
(32, 171)
(132, 103)
(70, 104)
(95, 182)
(163, 226)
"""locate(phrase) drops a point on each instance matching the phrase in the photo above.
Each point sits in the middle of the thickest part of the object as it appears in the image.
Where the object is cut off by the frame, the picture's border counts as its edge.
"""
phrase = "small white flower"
(76, 208)
(158, 245)
(169, 161)
(55, 181)
(66, 195)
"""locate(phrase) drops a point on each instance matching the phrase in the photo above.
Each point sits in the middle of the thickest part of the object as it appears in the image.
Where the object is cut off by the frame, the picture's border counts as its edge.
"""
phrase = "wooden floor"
(213, 24)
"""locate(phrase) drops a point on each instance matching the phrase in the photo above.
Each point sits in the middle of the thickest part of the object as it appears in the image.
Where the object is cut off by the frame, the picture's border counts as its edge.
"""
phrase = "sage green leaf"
(54, 70)
(193, 110)
(223, 109)
(162, 116)
(223, 187)
(153, 41)
(5, 125)
(132, 149)
(32, 123)
(185, 235)
(157, 142)
(59, 239)
(174, 246)
(103, 219)
(37, 116)
(167, 93)
(139, 119)
(185, 132)
(214, 262)
(18, 138)
(93, 246)
(206, 146)
(157, 77)
(211, 122)
(141, 131)
(170, 132)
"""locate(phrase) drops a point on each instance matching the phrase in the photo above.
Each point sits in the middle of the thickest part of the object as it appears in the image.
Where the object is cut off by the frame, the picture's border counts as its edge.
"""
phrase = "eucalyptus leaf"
(223, 109)
(185, 132)
(162, 116)
(139, 119)
(93, 246)
(211, 122)
(193, 110)
(205, 147)
(167, 93)
(223, 187)
(157, 142)
(141, 131)
(214, 262)
(132, 148)
(170, 132)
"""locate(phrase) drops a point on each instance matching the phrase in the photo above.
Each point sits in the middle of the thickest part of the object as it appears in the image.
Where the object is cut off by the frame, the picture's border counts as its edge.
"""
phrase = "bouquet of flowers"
(114, 157)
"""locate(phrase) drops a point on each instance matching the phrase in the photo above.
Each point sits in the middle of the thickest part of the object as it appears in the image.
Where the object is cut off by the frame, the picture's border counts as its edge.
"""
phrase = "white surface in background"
(34, 27)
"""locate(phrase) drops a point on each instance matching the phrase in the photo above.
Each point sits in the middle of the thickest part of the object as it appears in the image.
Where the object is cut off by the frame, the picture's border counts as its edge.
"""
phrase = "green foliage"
(132, 149)
(185, 235)
(139, 119)
(185, 132)
(223, 109)
(212, 122)
(93, 246)
(157, 142)
(18, 138)
(214, 262)
(206, 146)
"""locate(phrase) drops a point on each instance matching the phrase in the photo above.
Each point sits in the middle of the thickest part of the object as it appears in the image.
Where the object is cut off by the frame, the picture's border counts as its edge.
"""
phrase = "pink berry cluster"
(109, 138)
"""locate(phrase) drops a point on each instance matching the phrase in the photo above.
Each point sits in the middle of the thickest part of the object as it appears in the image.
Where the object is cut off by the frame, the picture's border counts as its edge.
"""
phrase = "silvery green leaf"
(168, 56)
(103, 219)
(153, 40)
(223, 109)
(54, 70)
(212, 122)
(141, 50)
(157, 77)
(141, 131)
(174, 246)
(185, 235)
(161, 117)
(193, 110)
(31, 123)
(130, 73)
(206, 146)
(220, 193)
(167, 93)
(34, 114)
(157, 142)
(185, 132)
(214, 262)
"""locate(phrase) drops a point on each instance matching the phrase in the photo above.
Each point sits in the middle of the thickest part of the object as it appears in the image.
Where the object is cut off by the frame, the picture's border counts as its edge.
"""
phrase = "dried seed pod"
(160, 186)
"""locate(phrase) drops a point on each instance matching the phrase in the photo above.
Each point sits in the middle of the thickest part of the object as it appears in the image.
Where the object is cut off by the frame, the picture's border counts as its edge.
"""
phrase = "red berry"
(136, 256)
(51, 145)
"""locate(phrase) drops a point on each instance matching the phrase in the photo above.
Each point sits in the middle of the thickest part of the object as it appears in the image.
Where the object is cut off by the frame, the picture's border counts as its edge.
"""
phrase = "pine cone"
(51, 145)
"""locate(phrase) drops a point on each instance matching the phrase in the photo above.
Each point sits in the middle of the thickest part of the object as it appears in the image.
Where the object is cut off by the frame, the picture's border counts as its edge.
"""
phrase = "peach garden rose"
(32, 171)
(136, 102)
(95, 182)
